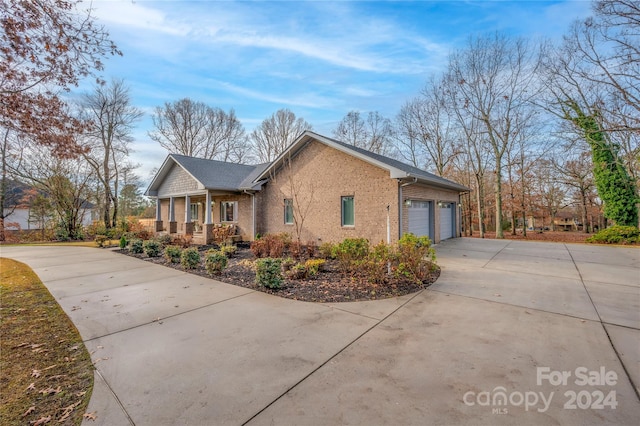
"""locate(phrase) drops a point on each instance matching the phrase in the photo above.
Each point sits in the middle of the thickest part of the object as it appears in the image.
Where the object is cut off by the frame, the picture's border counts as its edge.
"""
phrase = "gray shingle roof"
(220, 175)
(215, 174)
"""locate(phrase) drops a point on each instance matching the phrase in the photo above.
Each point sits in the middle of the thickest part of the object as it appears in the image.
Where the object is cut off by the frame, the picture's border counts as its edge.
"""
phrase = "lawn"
(46, 374)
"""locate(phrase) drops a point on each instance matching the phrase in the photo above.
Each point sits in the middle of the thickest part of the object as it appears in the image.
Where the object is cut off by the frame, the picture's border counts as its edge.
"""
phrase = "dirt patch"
(330, 285)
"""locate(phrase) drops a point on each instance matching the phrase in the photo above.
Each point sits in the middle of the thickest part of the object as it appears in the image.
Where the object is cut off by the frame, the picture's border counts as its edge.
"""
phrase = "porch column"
(173, 225)
(158, 226)
(207, 229)
(188, 226)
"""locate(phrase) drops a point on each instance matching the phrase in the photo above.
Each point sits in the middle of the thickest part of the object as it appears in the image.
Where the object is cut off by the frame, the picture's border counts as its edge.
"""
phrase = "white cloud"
(136, 16)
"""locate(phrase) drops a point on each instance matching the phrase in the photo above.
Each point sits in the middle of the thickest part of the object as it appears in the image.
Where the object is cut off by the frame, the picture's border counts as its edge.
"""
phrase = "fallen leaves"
(36, 373)
(29, 411)
(90, 416)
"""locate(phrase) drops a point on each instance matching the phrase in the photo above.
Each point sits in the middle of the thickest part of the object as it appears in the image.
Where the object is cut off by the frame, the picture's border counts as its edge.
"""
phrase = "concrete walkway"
(505, 319)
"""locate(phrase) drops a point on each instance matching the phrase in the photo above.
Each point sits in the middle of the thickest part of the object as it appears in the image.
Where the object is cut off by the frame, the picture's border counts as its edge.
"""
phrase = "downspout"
(400, 201)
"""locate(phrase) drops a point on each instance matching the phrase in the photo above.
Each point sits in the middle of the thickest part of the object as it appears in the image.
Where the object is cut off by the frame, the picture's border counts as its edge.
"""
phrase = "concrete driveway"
(511, 333)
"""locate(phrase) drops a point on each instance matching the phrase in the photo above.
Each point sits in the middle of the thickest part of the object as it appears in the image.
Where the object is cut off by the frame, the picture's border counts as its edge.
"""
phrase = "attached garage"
(421, 218)
(447, 220)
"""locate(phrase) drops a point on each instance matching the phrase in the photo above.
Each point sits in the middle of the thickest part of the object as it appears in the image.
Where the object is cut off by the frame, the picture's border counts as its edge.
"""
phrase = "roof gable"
(397, 169)
(206, 174)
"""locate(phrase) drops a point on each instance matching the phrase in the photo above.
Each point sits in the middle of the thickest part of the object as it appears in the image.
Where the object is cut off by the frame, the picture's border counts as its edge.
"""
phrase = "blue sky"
(320, 59)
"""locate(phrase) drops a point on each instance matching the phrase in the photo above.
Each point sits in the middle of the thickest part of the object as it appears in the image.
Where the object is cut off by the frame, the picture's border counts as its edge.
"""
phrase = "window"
(348, 214)
(194, 211)
(288, 211)
(228, 211)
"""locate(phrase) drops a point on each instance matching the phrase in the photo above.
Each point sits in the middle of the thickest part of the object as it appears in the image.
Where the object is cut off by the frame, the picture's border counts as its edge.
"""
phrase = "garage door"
(446, 220)
(419, 218)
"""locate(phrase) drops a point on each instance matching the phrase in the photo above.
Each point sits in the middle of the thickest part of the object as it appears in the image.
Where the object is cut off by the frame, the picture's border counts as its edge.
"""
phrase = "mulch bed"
(330, 285)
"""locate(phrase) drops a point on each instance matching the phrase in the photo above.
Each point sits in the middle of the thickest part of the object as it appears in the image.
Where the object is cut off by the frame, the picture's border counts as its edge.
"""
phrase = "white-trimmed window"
(229, 211)
(288, 211)
(194, 211)
(348, 211)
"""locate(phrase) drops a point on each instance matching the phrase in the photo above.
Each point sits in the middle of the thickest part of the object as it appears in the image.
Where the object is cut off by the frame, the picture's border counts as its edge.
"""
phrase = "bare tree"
(427, 125)
(276, 133)
(195, 129)
(67, 184)
(110, 117)
(373, 134)
(46, 47)
(496, 80)
(576, 173)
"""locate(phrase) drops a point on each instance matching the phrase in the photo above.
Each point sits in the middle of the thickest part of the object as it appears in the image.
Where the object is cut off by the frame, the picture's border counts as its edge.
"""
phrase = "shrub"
(297, 272)
(172, 254)
(415, 257)
(190, 258)
(350, 251)
(164, 239)
(326, 250)
(295, 248)
(123, 242)
(312, 248)
(136, 246)
(376, 264)
(272, 245)
(100, 240)
(616, 235)
(314, 266)
(269, 273)
(152, 248)
(215, 262)
(228, 250)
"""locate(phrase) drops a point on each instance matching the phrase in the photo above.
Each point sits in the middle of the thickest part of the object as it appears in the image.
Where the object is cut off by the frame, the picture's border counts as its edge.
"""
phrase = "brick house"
(320, 188)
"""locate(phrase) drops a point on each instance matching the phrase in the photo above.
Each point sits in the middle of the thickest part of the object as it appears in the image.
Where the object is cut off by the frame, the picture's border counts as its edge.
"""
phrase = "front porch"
(202, 218)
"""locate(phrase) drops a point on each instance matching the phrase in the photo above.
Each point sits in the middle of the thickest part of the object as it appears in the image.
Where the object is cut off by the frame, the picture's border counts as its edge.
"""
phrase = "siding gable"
(177, 182)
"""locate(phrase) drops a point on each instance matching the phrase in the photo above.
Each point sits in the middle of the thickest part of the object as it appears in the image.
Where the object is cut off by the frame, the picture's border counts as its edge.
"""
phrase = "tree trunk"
(480, 199)
(498, 190)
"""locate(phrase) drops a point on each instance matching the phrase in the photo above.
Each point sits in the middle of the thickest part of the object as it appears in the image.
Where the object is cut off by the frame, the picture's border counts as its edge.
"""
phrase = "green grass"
(45, 369)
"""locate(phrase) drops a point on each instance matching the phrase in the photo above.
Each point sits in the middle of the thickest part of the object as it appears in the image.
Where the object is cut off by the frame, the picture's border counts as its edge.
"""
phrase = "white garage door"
(419, 218)
(446, 221)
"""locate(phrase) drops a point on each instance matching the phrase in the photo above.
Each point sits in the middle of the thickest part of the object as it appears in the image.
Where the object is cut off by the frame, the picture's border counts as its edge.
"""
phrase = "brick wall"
(426, 193)
(321, 175)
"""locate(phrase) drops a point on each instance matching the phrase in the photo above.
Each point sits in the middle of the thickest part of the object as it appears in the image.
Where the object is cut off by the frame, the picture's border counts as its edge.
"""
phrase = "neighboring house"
(322, 188)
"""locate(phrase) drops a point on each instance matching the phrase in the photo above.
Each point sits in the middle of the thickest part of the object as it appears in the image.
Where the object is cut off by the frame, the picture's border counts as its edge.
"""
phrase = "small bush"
(314, 266)
(215, 262)
(228, 250)
(349, 252)
(616, 235)
(172, 254)
(152, 248)
(271, 245)
(326, 250)
(376, 264)
(259, 248)
(269, 273)
(312, 248)
(297, 272)
(295, 248)
(136, 246)
(123, 242)
(100, 240)
(415, 256)
(164, 239)
(190, 258)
